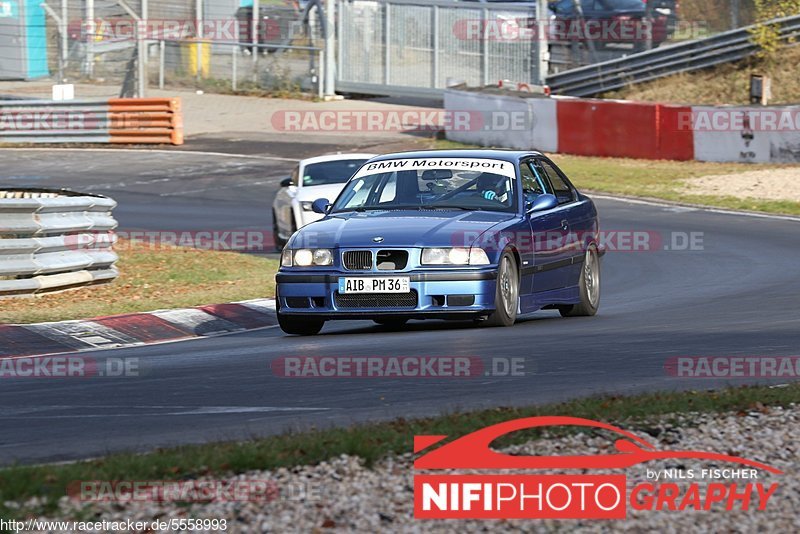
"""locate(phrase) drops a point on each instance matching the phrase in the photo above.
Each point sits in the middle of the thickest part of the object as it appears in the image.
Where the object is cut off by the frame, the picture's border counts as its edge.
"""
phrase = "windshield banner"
(503, 168)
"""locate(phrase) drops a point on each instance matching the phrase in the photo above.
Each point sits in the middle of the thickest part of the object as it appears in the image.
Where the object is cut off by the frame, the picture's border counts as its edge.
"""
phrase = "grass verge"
(722, 85)
(370, 441)
(150, 279)
(662, 179)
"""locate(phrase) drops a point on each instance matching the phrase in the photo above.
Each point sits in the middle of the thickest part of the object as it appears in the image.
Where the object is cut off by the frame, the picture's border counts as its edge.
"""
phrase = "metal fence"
(218, 49)
(667, 60)
(420, 48)
(54, 240)
(394, 47)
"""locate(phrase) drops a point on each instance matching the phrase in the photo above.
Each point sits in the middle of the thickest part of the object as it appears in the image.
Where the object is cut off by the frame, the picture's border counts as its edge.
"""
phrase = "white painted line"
(156, 151)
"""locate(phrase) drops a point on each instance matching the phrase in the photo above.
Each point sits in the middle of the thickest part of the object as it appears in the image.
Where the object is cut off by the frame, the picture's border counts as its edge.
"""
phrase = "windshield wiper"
(447, 207)
(362, 209)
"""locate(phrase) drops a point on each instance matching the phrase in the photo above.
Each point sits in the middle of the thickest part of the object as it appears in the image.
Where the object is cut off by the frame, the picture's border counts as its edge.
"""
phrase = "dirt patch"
(769, 184)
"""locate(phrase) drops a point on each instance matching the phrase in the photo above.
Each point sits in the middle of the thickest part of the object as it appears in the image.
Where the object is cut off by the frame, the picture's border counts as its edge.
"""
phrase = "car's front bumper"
(439, 294)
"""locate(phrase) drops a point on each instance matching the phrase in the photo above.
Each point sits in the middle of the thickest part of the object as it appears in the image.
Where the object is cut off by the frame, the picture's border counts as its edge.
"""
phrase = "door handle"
(565, 225)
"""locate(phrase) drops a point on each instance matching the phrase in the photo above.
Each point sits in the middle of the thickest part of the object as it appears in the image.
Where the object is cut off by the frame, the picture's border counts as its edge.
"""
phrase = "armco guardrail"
(53, 240)
(117, 120)
(725, 47)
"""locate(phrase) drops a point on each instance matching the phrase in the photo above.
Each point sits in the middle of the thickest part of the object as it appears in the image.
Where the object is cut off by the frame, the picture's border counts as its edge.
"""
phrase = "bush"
(765, 35)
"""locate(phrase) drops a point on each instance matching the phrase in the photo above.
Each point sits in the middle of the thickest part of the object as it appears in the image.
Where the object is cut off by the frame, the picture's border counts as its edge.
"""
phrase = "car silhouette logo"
(473, 451)
(378, 239)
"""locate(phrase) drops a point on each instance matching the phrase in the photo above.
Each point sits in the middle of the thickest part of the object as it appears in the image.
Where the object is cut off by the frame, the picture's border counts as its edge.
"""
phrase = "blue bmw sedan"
(486, 235)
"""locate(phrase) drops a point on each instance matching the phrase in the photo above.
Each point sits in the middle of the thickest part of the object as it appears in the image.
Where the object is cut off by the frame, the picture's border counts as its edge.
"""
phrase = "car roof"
(335, 157)
(504, 155)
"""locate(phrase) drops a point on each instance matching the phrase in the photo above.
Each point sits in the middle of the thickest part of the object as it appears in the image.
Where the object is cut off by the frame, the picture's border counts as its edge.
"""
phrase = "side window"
(530, 183)
(564, 193)
(294, 178)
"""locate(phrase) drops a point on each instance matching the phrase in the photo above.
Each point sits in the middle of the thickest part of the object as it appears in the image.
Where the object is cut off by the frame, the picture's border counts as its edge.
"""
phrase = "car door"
(547, 232)
(576, 223)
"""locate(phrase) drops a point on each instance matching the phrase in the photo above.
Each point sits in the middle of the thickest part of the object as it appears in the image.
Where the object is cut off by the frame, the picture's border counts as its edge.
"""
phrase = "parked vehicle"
(606, 22)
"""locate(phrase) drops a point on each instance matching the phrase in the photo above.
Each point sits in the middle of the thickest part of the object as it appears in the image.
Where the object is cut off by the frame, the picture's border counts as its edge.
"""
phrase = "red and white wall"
(618, 128)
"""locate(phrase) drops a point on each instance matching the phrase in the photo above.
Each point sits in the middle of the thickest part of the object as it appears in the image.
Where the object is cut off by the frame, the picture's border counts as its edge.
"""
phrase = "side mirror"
(286, 182)
(543, 202)
(321, 205)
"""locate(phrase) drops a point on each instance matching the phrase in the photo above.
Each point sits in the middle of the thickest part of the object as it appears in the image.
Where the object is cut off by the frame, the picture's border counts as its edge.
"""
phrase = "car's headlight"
(306, 206)
(323, 256)
(454, 256)
(304, 257)
(286, 258)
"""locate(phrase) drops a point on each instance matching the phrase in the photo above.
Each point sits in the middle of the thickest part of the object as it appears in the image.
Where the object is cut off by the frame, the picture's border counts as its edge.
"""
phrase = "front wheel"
(506, 295)
(300, 326)
(589, 285)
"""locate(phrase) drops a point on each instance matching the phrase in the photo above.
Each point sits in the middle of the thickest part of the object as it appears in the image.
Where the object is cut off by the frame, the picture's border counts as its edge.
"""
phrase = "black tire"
(300, 326)
(589, 285)
(391, 323)
(506, 297)
(297, 325)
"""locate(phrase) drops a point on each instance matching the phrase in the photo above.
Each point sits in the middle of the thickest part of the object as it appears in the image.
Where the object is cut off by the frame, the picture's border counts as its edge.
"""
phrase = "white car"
(313, 178)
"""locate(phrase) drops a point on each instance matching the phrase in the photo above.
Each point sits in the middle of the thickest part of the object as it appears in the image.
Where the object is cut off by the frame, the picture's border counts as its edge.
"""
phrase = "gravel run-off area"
(767, 184)
(345, 496)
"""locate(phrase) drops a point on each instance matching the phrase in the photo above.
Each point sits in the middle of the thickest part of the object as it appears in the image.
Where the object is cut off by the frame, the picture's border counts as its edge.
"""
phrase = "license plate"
(397, 284)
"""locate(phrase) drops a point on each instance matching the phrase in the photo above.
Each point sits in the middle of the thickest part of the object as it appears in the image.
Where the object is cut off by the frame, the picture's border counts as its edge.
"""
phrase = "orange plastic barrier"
(146, 120)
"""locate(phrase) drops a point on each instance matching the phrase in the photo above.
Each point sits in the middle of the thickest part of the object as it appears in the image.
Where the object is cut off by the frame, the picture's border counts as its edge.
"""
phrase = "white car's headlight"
(304, 257)
(454, 256)
(306, 206)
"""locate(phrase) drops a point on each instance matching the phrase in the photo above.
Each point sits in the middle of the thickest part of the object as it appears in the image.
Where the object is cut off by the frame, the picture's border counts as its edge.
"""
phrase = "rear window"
(331, 172)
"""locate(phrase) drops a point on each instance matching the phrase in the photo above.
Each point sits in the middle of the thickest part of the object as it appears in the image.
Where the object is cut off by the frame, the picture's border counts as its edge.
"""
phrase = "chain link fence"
(381, 46)
(422, 47)
(221, 49)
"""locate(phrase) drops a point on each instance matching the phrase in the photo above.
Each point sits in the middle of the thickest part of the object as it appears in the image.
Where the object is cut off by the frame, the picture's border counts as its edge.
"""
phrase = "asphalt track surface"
(738, 296)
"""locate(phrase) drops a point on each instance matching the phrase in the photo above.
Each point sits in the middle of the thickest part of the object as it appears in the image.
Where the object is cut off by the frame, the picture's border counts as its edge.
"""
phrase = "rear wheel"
(589, 285)
(506, 295)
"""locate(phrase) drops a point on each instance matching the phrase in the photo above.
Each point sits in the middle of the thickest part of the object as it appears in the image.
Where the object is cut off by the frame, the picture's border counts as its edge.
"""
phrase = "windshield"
(469, 184)
(330, 172)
